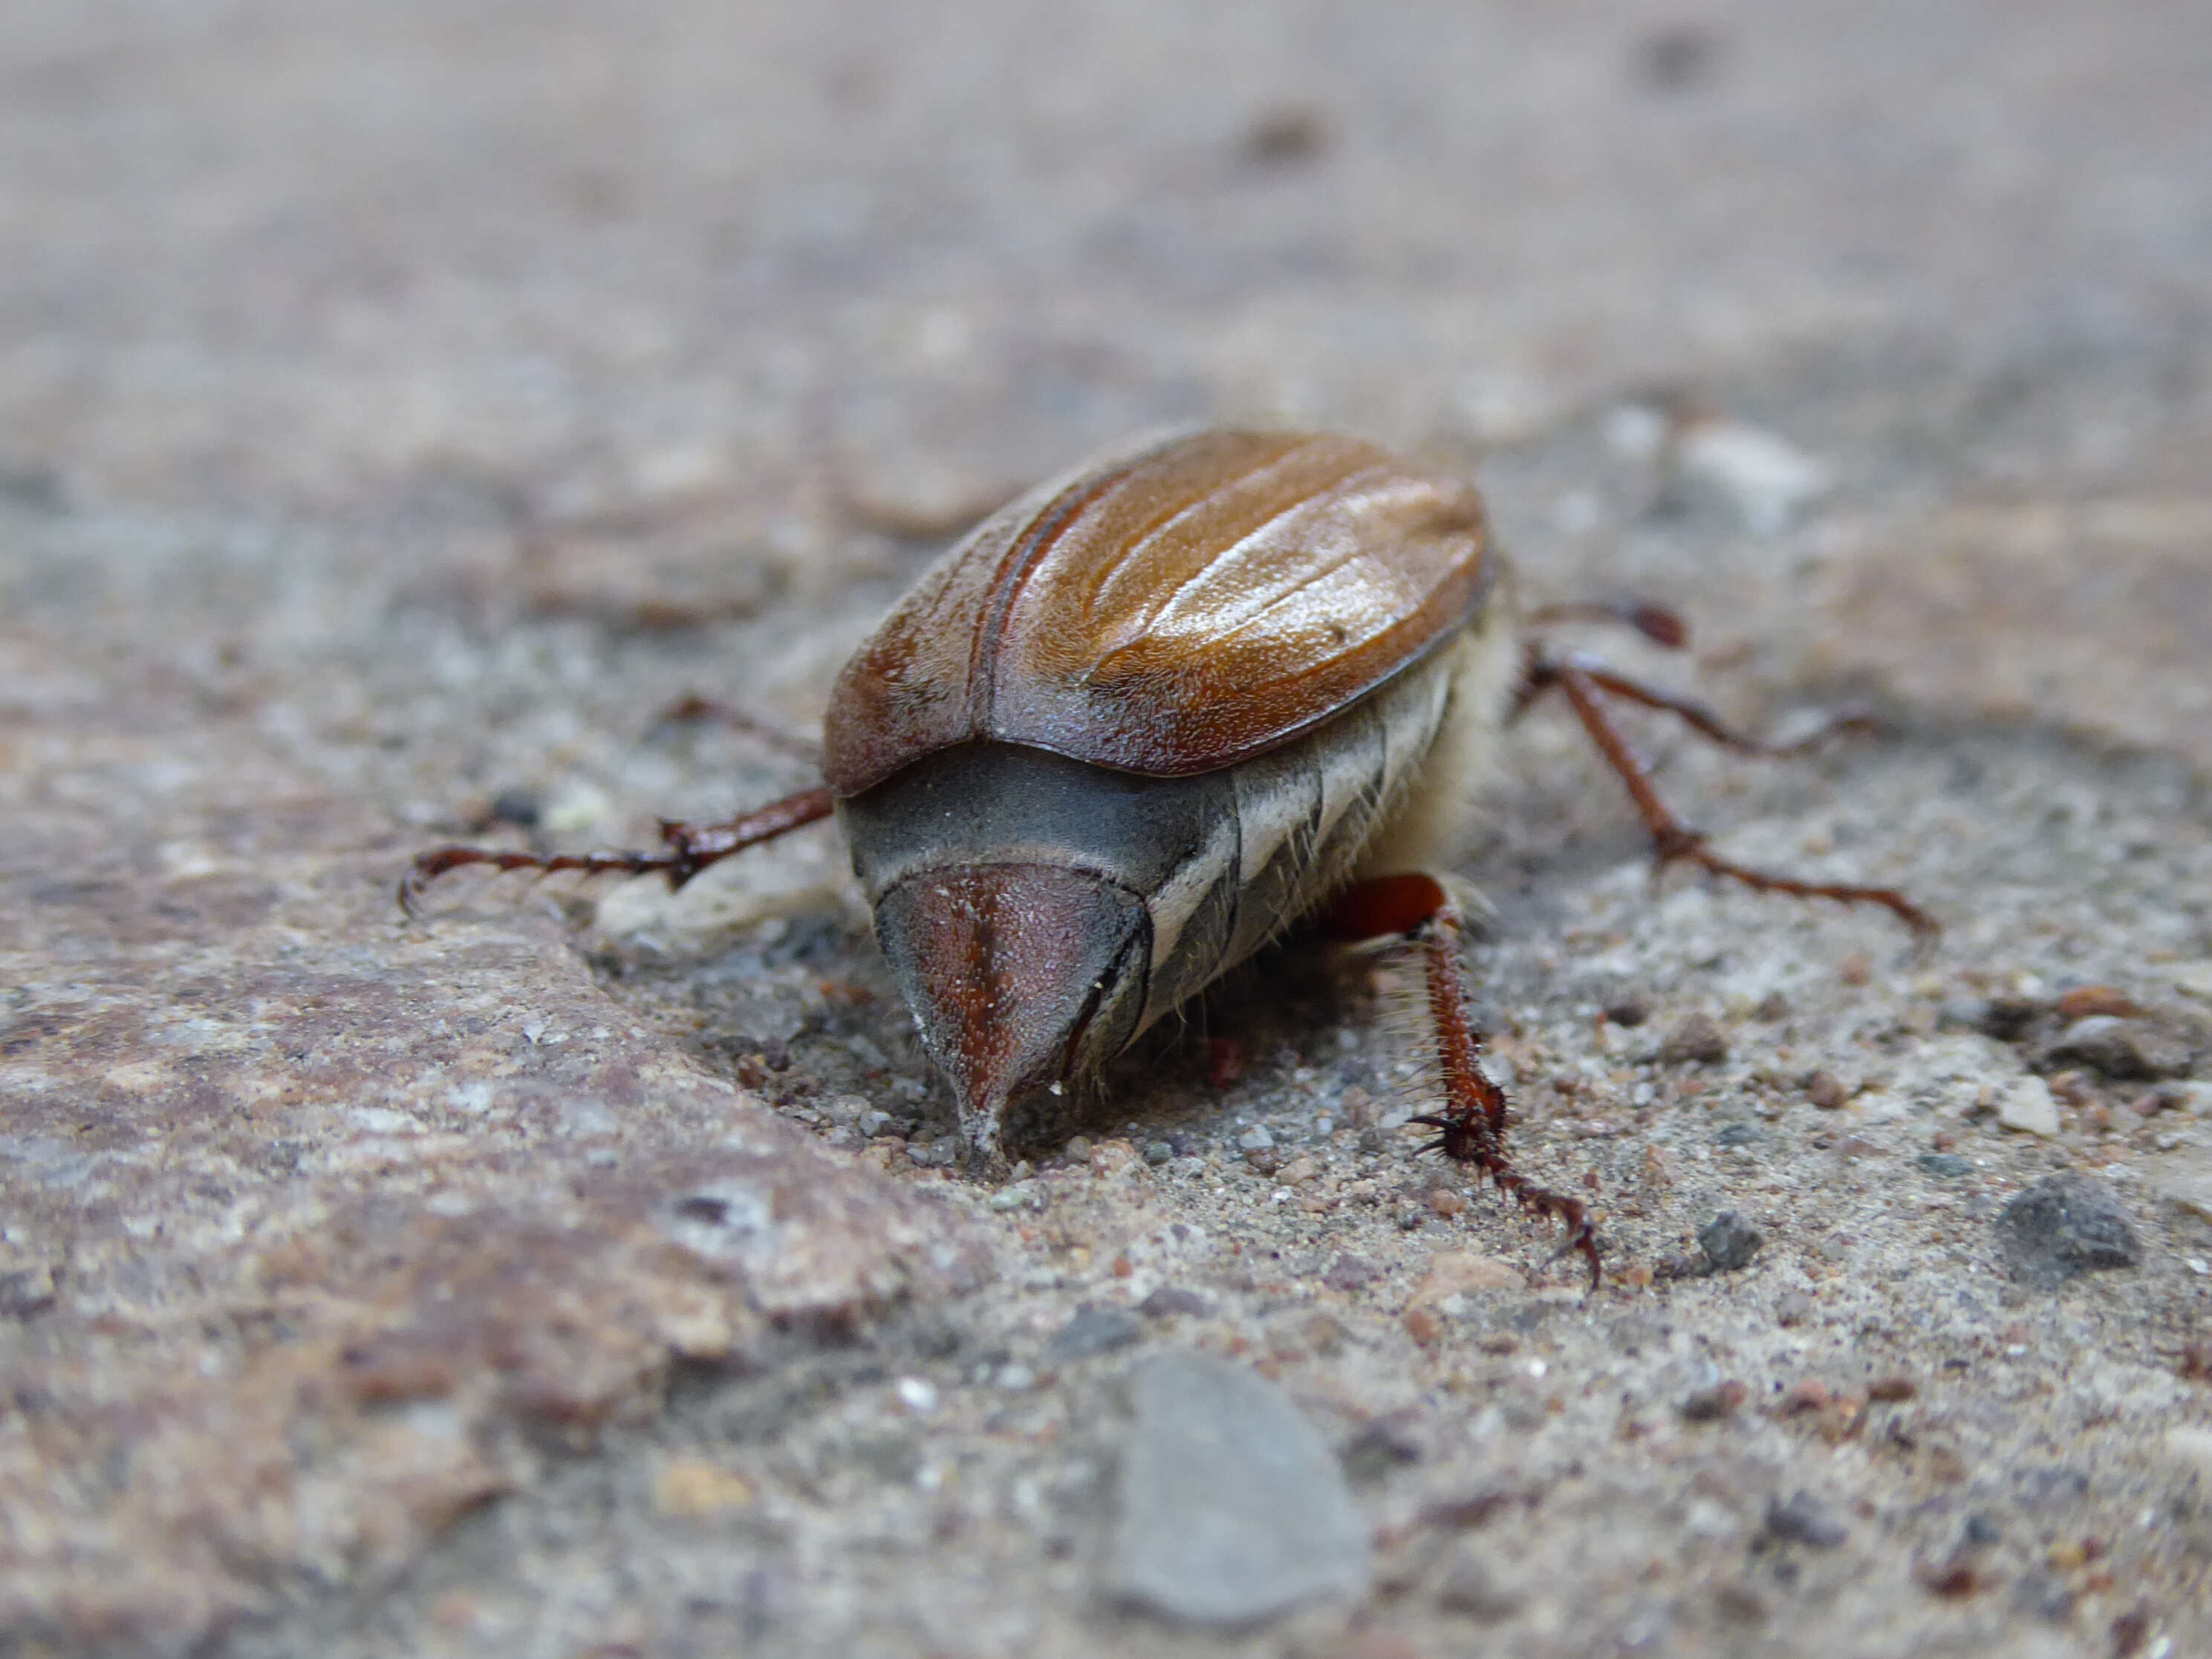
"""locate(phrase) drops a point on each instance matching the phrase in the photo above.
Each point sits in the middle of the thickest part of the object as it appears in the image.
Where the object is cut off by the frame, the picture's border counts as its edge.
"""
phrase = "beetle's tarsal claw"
(1017, 974)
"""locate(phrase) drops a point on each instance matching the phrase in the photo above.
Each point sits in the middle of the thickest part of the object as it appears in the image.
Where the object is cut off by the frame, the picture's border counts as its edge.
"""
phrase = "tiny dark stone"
(1372, 1140)
(1711, 1405)
(1697, 1041)
(2009, 1018)
(1093, 1331)
(1772, 1008)
(1630, 1011)
(1740, 1604)
(1678, 57)
(1286, 134)
(1383, 1444)
(1982, 1531)
(2129, 1631)
(1804, 1520)
(515, 806)
(1736, 1134)
(1263, 1160)
(1728, 1240)
(26, 1292)
(1171, 1299)
(1683, 1264)
(1158, 1151)
(1350, 1272)
(1477, 1509)
(1949, 1165)
(1183, 1145)
(1826, 1090)
(2063, 1226)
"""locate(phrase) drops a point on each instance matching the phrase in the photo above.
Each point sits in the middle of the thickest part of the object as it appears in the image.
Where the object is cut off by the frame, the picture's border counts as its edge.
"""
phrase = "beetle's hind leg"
(1473, 1116)
(1586, 684)
(686, 848)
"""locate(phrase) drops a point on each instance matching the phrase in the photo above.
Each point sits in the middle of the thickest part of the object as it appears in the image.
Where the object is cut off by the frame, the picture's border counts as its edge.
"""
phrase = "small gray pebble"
(1233, 1508)
(517, 807)
(1962, 1014)
(1949, 1165)
(2043, 1595)
(1158, 1151)
(1350, 1272)
(1174, 1299)
(1736, 1134)
(1471, 1589)
(1728, 1240)
(2063, 1226)
(1804, 1520)
(1630, 1011)
(27, 1293)
(1383, 1444)
(1257, 1138)
(1981, 1530)
(1095, 1331)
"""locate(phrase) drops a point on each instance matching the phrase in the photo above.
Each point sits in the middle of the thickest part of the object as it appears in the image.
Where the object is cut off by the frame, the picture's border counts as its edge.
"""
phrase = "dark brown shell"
(1168, 612)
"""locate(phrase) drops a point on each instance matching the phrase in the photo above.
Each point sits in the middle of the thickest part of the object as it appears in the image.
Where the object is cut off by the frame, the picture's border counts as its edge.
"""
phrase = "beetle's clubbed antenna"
(1474, 1115)
(688, 848)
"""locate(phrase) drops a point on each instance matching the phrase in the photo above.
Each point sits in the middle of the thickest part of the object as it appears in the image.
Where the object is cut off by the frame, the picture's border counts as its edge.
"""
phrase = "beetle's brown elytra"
(1144, 718)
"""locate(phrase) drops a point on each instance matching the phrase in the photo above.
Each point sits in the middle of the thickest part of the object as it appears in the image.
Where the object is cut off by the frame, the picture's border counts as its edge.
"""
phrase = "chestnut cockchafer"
(1151, 714)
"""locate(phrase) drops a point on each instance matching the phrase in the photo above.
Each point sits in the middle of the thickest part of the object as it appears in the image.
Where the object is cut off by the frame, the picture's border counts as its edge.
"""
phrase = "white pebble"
(2029, 1107)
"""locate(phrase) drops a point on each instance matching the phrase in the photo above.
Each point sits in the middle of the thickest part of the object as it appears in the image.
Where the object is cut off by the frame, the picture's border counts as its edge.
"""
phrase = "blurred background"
(657, 312)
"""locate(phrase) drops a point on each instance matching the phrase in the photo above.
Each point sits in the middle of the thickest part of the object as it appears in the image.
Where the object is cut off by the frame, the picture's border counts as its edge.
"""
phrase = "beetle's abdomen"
(1221, 862)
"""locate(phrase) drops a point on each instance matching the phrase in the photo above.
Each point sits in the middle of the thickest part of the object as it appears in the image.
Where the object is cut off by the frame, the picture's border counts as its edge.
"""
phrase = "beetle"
(1142, 721)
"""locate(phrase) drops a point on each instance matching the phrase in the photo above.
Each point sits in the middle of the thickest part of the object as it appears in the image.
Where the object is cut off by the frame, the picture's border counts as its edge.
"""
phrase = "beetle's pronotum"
(1146, 717)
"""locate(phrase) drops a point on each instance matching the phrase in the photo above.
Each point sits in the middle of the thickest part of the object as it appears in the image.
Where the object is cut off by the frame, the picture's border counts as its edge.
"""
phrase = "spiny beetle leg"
(1472, 1120)
(1672, 841)
(688, 848)
(1545, 671)
(691, 708)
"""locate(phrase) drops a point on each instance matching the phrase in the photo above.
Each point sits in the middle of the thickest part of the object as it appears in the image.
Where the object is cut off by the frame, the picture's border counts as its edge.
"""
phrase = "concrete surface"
(399, 403)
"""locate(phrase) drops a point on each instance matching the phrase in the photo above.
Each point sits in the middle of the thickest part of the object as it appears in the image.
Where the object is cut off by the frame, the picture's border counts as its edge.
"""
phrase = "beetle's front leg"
(687, 848)
(1474, 1115)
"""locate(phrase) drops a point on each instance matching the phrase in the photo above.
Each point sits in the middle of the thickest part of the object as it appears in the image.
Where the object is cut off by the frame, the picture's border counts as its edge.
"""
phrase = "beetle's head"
(1020, 977)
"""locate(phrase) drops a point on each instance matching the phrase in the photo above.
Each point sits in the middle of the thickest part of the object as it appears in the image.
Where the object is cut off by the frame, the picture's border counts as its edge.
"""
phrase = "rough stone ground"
(398, 404)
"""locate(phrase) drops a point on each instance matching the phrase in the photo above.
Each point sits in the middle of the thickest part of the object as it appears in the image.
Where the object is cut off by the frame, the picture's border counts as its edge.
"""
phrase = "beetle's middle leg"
(1474, 1115)
(1586, 684)
(691, 709)
(686, 848)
